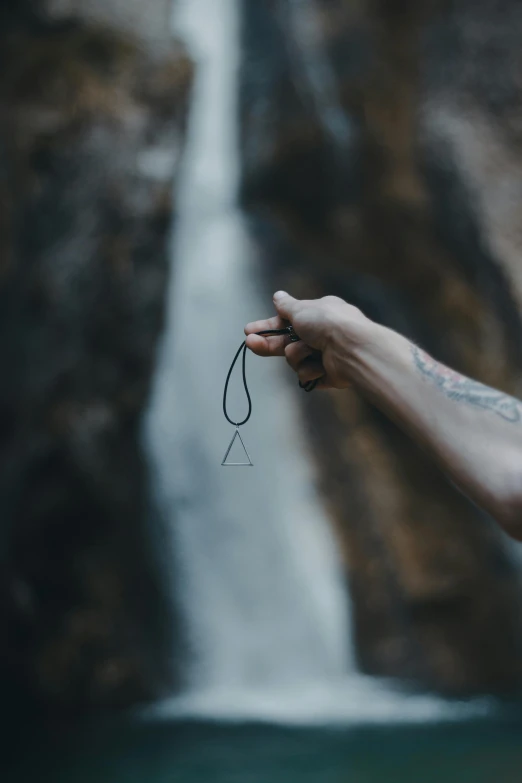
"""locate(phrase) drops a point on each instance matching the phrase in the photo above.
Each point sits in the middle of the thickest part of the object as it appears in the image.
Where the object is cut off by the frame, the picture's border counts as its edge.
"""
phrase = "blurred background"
(340, 612)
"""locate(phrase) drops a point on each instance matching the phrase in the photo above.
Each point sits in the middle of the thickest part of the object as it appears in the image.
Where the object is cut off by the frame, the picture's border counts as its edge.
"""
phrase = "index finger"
(263, 326)
(267, 346)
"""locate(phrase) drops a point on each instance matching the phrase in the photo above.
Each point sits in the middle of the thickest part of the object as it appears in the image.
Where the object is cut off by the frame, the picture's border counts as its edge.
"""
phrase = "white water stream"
(260, 585)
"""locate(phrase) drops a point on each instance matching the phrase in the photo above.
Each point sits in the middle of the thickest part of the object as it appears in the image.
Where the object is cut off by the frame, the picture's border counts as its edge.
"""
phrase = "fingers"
(285, 304)
(262, 326)
(306, 362)
(275, 345)
(310, 370)
(296, 353)
(267, 346)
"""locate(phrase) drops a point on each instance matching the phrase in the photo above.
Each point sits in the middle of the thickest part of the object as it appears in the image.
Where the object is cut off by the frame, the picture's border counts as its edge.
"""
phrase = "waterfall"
(258, 576)
(264, 600)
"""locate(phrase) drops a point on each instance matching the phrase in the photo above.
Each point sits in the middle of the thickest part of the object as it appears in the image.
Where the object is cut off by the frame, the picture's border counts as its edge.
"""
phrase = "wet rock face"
(149, 20)
(90, 134)
(379, 151)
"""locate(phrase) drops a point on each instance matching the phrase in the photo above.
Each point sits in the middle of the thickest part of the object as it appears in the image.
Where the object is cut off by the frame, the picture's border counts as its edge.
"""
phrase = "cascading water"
(261, 577)
(260, 586)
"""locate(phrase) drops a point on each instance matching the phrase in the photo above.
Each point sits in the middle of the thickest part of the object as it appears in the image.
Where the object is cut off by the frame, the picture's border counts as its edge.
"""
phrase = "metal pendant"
(226, 464)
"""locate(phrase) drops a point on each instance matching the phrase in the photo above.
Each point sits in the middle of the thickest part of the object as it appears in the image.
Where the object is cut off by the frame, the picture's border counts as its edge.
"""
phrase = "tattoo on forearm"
(461, 389)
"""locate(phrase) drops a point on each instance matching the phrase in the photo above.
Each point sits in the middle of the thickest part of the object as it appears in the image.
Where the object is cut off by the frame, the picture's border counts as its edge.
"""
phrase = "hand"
(331, 331)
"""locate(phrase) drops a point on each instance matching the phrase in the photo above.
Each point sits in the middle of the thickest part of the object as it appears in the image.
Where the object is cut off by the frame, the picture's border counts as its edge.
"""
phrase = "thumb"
(285, 304)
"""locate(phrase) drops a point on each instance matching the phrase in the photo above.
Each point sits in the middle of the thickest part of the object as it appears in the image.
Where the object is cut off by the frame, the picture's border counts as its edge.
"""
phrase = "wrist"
(379, 355)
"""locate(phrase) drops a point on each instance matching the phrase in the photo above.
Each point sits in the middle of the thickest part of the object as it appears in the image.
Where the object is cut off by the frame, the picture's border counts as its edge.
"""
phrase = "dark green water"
(482, 752)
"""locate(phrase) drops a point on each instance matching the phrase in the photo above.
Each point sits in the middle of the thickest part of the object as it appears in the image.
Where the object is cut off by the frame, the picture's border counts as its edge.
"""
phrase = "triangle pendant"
(226, 464)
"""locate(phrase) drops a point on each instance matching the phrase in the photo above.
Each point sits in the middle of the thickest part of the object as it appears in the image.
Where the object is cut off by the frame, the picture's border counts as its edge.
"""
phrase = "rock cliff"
(381, 155)
(92, 124)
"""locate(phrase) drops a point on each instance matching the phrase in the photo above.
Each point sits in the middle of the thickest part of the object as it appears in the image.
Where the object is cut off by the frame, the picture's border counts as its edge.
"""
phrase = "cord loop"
(289, 331)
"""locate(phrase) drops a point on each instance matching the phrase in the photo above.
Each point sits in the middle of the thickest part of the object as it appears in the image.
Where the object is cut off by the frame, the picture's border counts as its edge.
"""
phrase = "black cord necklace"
(308, 387)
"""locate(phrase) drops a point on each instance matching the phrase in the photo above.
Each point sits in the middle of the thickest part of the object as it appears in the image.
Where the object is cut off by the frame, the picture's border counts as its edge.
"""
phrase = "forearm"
(473, 432)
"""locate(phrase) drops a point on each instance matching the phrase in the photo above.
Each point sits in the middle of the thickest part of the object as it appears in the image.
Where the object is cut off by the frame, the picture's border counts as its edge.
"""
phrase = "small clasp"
(294, 338)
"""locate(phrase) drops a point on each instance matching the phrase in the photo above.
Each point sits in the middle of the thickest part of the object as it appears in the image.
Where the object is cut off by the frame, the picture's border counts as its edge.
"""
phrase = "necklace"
(308, 387)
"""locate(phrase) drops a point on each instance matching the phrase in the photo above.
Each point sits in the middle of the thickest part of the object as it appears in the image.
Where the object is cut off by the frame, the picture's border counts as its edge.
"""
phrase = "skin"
(473, 432)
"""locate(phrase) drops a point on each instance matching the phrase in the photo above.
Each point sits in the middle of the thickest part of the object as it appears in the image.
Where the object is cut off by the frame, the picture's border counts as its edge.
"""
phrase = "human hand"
(331, 332)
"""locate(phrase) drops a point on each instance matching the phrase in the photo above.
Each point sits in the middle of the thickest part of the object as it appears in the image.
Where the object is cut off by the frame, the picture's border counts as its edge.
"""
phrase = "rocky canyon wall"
(382, 164)
(91, 129)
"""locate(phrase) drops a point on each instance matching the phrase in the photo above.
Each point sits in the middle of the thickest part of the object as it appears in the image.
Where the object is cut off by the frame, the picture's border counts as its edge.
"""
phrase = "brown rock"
(353, 191)
(90, 137)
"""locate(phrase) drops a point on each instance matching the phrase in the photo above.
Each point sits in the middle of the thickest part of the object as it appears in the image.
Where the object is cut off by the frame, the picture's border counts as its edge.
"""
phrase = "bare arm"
(473, 432)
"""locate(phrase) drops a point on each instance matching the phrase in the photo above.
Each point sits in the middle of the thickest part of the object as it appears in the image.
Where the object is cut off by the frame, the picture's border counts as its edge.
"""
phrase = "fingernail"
(279, 294)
